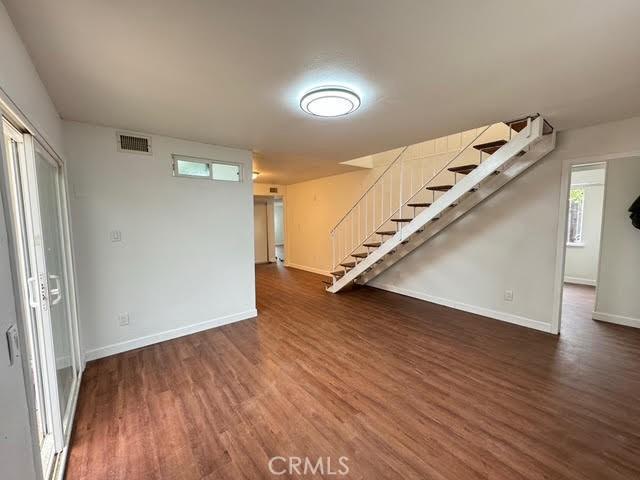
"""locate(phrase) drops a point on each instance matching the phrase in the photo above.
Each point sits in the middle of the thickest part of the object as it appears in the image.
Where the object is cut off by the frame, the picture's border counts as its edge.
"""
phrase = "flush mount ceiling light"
(330, 101)
(254, 175)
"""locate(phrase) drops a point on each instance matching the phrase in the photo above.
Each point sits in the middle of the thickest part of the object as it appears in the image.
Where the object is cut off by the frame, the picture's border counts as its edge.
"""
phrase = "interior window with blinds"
(194, 167)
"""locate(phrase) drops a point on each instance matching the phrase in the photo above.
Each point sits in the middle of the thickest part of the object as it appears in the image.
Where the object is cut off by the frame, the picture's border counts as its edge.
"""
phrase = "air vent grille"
(129, 142)
(273, 189)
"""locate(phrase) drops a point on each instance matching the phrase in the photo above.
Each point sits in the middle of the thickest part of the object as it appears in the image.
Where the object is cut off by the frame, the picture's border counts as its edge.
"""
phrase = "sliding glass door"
(47, 203)
(43, 253)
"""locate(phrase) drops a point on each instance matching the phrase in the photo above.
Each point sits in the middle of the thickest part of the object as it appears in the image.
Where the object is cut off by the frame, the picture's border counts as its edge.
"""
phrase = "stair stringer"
(506, 160)
(512, 171)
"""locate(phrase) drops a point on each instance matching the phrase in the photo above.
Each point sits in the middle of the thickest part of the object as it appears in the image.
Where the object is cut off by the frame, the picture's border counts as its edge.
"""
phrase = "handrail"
(430, 179)
(403, 202)
(398, 157)
(369, 189)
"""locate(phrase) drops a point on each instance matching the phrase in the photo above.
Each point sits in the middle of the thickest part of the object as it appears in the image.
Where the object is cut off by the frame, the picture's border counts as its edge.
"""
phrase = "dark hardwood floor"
(403, 388)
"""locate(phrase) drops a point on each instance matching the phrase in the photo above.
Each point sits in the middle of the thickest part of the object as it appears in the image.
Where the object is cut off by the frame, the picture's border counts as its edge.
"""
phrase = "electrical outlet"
(123, 319)
(116, 236)
(508, 295)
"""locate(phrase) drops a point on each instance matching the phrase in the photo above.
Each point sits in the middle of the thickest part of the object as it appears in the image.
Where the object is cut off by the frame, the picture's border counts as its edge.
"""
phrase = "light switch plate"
(116, 236)
(508, 295)
(123, 319)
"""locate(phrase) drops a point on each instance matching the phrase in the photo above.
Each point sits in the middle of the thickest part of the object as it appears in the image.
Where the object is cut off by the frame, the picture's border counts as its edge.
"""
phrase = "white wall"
(260, 232)
(20, 82)
(278, 219)
(508, 242)
(617, 298)
(185, 262)
(23, 93)
(314, 207)
(581, 261)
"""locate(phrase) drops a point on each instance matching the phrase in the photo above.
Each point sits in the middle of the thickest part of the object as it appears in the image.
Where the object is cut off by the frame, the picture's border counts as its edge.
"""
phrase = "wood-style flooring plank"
(403, 388)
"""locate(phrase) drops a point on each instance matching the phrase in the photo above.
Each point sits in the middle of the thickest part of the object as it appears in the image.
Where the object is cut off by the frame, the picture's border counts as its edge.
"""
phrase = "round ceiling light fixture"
(330, 102)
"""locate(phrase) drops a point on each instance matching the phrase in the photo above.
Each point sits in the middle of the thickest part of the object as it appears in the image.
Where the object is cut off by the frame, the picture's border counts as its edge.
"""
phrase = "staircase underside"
(505, 164)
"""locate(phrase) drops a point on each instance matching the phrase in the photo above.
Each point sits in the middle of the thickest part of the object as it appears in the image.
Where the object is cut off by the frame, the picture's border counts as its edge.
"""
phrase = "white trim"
(485, 312)
(61, 458)
(563, 209)
(167, 335)
(617, 319)
(588, 184)
(580, 281)
(319, 271)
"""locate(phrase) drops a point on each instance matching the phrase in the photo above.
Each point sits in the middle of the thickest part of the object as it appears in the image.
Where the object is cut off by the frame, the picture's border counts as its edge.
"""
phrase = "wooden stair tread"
(338, 273)
(464, 169)
(372, 244)
(386, 232)
(520, 124)
(401, 220)
(490, 147)
(348, 264)
(418, 205)
(440, 188)
(326, 282)
(360, 255)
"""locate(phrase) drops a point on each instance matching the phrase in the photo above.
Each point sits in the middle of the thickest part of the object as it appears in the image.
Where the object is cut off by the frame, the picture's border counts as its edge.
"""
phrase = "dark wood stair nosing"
(490, 147)
(463, 169)
(440, 188)
(520, 124)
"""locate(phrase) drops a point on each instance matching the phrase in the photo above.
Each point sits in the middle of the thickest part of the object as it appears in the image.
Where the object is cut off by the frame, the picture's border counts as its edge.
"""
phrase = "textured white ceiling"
(232, 72)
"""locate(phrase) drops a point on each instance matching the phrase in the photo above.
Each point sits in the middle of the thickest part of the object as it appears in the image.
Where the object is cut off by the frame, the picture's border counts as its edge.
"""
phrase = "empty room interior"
(319, 239)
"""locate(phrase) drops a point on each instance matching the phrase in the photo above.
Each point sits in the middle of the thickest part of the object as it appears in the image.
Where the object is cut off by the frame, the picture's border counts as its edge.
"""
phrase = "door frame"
(62, 429)
(561, 240)
(18, 217)
(52, 452)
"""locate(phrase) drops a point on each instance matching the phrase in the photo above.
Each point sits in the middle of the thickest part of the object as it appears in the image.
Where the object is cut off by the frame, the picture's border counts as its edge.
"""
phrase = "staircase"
(405, 206)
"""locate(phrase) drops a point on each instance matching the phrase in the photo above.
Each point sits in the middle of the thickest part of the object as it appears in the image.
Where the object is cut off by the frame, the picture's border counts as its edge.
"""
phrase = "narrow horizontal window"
(222, 171)
(204, 168)
(192, 169)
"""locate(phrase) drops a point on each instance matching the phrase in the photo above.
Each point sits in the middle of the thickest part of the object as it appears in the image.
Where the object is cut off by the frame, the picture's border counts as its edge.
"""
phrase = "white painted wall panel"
(185, 261)
(617, 294)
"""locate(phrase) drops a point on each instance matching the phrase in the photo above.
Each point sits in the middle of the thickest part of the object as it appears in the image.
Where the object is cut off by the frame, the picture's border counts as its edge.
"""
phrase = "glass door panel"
(49, 199)
(13, 154)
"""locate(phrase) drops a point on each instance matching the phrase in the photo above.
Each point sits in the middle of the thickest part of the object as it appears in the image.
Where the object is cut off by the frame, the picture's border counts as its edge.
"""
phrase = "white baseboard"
(485, 312)
(580, 281)
(166, 335)
(618, 319)
(319, 271)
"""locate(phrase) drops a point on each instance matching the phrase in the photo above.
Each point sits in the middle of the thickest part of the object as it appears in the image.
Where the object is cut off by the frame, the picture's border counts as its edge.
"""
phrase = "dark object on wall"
(635, 213)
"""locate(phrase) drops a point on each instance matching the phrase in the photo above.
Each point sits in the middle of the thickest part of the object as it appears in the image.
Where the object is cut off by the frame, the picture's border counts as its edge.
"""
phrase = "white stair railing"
(403, 182)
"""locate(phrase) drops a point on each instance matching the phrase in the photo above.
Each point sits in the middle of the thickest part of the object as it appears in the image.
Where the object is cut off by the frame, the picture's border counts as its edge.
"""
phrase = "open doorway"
(278, 226)
(582, 246)
(268, 229)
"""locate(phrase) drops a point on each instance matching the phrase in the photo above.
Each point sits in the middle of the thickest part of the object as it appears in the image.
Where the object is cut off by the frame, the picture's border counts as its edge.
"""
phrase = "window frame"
(210, 162)
(580, 225)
